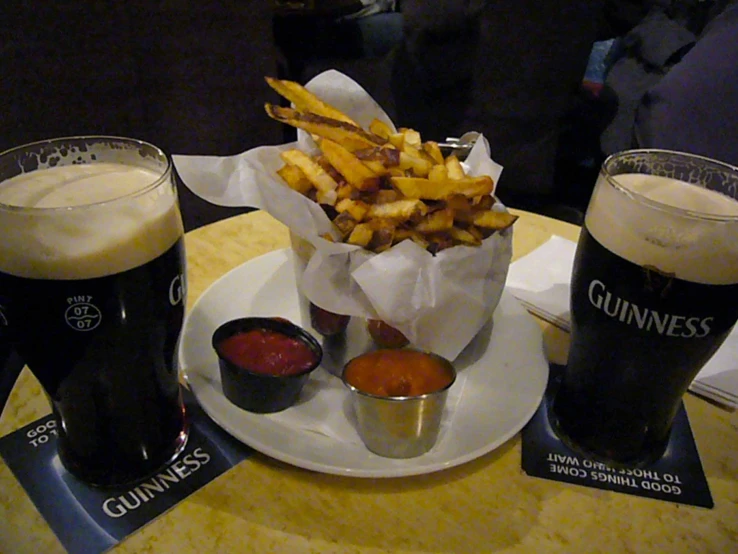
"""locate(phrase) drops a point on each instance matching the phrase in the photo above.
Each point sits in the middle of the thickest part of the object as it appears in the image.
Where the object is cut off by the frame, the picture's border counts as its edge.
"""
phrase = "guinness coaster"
(676, 477)
(91, 520)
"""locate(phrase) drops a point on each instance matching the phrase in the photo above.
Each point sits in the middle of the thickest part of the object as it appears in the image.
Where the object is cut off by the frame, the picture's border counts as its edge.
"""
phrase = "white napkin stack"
(540, 281)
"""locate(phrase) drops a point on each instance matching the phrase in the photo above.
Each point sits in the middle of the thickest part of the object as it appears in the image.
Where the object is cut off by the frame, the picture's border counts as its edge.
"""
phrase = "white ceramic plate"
(502, 378)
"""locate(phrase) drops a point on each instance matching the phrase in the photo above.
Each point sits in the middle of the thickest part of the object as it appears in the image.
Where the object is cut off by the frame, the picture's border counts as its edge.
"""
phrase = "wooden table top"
(486, 505)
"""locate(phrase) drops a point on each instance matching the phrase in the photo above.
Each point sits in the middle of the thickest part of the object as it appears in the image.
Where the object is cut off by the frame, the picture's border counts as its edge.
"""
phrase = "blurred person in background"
(675, 83)
(514, 71)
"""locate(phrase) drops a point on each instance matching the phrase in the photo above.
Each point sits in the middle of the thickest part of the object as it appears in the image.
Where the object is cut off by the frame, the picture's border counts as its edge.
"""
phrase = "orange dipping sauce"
(398, 373)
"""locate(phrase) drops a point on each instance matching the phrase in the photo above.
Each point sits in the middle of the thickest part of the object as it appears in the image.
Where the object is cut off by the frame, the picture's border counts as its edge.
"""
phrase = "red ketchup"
(267, 352)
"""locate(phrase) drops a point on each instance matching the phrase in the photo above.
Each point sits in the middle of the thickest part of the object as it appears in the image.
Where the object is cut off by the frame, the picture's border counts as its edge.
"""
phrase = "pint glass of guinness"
(654, 294)
(92, 288)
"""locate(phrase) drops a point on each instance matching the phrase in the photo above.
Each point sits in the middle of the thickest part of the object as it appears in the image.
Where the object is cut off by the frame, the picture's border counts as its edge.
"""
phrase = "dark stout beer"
(652, 299)
(94, 297)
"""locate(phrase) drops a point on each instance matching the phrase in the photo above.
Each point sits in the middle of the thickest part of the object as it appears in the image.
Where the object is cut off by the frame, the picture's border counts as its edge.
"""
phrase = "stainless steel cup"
(400, 426)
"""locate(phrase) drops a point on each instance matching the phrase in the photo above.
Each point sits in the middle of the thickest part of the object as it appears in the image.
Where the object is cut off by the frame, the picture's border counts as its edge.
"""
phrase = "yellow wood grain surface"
(487, 505)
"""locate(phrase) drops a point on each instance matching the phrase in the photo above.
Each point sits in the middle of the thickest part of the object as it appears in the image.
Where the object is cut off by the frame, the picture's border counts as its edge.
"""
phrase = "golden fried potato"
(380, 187)
(454, 167)
(380, 129)
(464, 236)
(361, 235)
(349, 166)
(399, 210)
(490, 219)
(295, 178)
(434, 151)
(357, 209)
(441, 220)
(318, 176)
(350, 136)
(418, 165)
(306, 101)
(415, 187)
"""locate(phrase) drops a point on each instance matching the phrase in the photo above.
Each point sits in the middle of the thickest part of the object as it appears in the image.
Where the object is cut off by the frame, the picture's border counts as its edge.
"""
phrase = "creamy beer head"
(696, 242)
(86, 220)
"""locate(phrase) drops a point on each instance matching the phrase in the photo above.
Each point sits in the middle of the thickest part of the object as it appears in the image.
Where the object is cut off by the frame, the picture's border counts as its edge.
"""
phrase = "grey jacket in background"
(677, 83)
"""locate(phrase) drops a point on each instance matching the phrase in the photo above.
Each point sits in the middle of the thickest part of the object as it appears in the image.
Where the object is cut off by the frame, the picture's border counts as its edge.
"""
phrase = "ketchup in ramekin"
(264, 362)
(268, 352)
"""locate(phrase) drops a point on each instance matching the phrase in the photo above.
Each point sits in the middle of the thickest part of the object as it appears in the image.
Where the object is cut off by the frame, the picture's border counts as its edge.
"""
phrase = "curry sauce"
(398, 373)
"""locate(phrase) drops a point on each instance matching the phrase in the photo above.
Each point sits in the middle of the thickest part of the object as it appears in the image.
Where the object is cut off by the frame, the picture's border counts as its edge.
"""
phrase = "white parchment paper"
(439, 302)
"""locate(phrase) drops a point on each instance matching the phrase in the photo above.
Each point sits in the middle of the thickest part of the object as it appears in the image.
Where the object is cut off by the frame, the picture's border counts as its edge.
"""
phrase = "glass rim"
(674, 210)
(166, 171)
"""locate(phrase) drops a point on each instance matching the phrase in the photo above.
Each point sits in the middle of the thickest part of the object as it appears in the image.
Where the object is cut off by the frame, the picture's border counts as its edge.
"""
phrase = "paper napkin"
(540, 281)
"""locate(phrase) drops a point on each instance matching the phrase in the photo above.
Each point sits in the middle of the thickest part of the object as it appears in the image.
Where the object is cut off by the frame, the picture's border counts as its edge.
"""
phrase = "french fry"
(295, 178)
(459, 203)
(397, 140)
(380, 187)
(419, 166)
(490, 219)
(377, 167)
(361, 235)
(438, 173)
(345, 223)
(441, 220)
(380, 128)
(438, 242)
(434, 151)
(306, 101)
(386, 195)
(346, 191)
(383, 237)
(350, 136)
(313, 172)
(475, 232)
(483, 202)
(455, 169)
(415, 187)
(349, 166)
(412, 137)
(358, 210)
(386, 155)
(400, 210)
(464, 236)
(412, 234)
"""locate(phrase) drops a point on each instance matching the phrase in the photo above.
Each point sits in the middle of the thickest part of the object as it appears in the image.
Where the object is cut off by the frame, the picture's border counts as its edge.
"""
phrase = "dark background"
(187, 75)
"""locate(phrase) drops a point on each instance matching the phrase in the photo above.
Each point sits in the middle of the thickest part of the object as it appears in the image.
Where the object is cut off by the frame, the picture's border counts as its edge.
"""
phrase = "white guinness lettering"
(177, 290)
(118, 506)
(670, 325)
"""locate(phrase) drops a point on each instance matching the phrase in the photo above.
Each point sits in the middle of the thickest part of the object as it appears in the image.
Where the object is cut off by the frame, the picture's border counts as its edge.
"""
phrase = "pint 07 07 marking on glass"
(82, 315)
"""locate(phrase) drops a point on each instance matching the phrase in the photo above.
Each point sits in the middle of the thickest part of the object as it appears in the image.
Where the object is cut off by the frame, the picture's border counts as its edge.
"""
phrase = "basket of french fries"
(395, 242)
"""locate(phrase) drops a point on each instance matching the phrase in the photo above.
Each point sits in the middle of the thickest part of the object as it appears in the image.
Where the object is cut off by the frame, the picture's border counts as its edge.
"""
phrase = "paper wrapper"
(438, 302)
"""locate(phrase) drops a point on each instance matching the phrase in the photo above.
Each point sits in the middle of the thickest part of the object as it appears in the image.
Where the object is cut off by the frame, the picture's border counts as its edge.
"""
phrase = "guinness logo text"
(670, 325)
